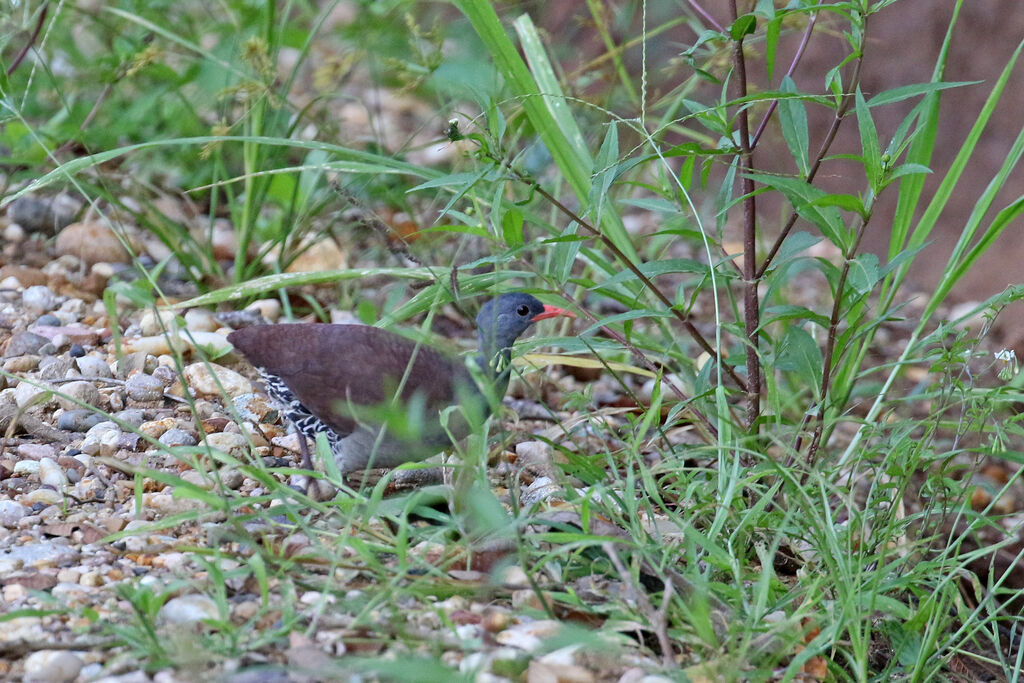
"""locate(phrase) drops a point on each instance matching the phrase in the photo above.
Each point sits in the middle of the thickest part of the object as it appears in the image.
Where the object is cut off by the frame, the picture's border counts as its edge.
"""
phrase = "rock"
(77, 393)
(75, 334)
(52, 666)
(76, 351)
(26, 394)
(26, 277)
(167, 375)
(92, 242)
(201, 320)
(43, 214)
(26, 363)
(232, 478)
(222, 380)
(24, 343)
(131, 416)
(188, 609)
(139, 361)
(177, 437)
(36, 451)
(11, 513)
(79, 420)
(51, 474)
(157, 323)
(154, 345)
(54, 367)
(144, 388)
(198, 479)
(39, 298)
(26, 467)
(270, 309)
(44, 496)
(91, 366)
(235, 445)
(48, 320)
(100, 437)
(254, 408)
(210, 342)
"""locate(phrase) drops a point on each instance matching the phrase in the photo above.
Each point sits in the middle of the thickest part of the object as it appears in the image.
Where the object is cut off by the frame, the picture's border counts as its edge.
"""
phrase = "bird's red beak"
(552, 312)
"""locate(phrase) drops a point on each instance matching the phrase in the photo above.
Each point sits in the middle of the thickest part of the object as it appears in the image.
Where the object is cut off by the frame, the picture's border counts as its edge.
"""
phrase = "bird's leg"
(303, 482)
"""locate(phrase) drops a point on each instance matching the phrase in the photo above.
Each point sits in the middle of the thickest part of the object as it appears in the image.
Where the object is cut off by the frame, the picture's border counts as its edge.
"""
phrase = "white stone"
(221, 380)
(51, 474)
(52, 666)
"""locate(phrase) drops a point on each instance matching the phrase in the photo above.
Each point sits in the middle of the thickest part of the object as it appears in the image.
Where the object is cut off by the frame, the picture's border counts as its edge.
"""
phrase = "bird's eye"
(523, 310)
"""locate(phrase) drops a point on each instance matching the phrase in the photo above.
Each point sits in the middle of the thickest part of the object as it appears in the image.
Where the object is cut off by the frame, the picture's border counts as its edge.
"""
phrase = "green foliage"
(808, 461)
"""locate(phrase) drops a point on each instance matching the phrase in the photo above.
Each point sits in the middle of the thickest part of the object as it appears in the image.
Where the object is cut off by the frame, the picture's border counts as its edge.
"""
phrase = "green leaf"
(870, 151)
(864, 273)
(908, 91)
(799, 354)
(512, 228)
(793, 119)
(743, 26)
(802, 196)
(771, 42)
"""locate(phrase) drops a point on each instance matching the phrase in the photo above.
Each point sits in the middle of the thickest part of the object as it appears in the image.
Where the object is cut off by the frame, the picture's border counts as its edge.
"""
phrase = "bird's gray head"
(504, 318)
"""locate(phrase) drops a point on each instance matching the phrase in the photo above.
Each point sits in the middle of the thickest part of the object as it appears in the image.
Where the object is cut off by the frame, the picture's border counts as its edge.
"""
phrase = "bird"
(379, 397)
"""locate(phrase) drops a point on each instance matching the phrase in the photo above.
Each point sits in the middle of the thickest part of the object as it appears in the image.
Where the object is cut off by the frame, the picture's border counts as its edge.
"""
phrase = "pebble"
(52, 666)
(208, 342)
(232, 478)
(233, 444)
(26, 467)
(199, 479)
(91, 366)
(54, 367)
(154, 345)
(101, 439)
(76, 351)
(22, 343)
(25, 363)
(166, 374)
(43, 214)
(201, 320)
(14, 233)
(48, 320)
(254, 408)
(36, 451)
(188, 609)
(11, 513)
(79, 420)
(44, 496)
(68, 334)
(138, 361)
(270, 309)
(157, 323)
(131, 416)
(144, 388)
(26, 394)
(51, 474)
(177, 437)
(222, 380)
(39, 298)
(77, 393)
(92, 242)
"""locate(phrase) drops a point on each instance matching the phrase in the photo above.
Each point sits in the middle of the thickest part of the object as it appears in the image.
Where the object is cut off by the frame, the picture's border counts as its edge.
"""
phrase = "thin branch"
(826, 144)
(31, 41)
(751, 305)
(789, 72)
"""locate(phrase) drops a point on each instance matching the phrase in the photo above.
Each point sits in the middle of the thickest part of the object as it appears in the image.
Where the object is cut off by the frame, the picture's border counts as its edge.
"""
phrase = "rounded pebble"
(177, 437)
(79, 420)
(26, 394)
(153, 323)
(210, 379)
(26, 467)
(11, 513)
(23, 343)
(131, 416)
(188, 609)
(201, 320)
(52, 666)
(76, 351)
(42, 496)
(91, 366)
(39, 298)
(77, 393)
(49, 319)
(144, 388)
(233, 444)
(51, 474)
